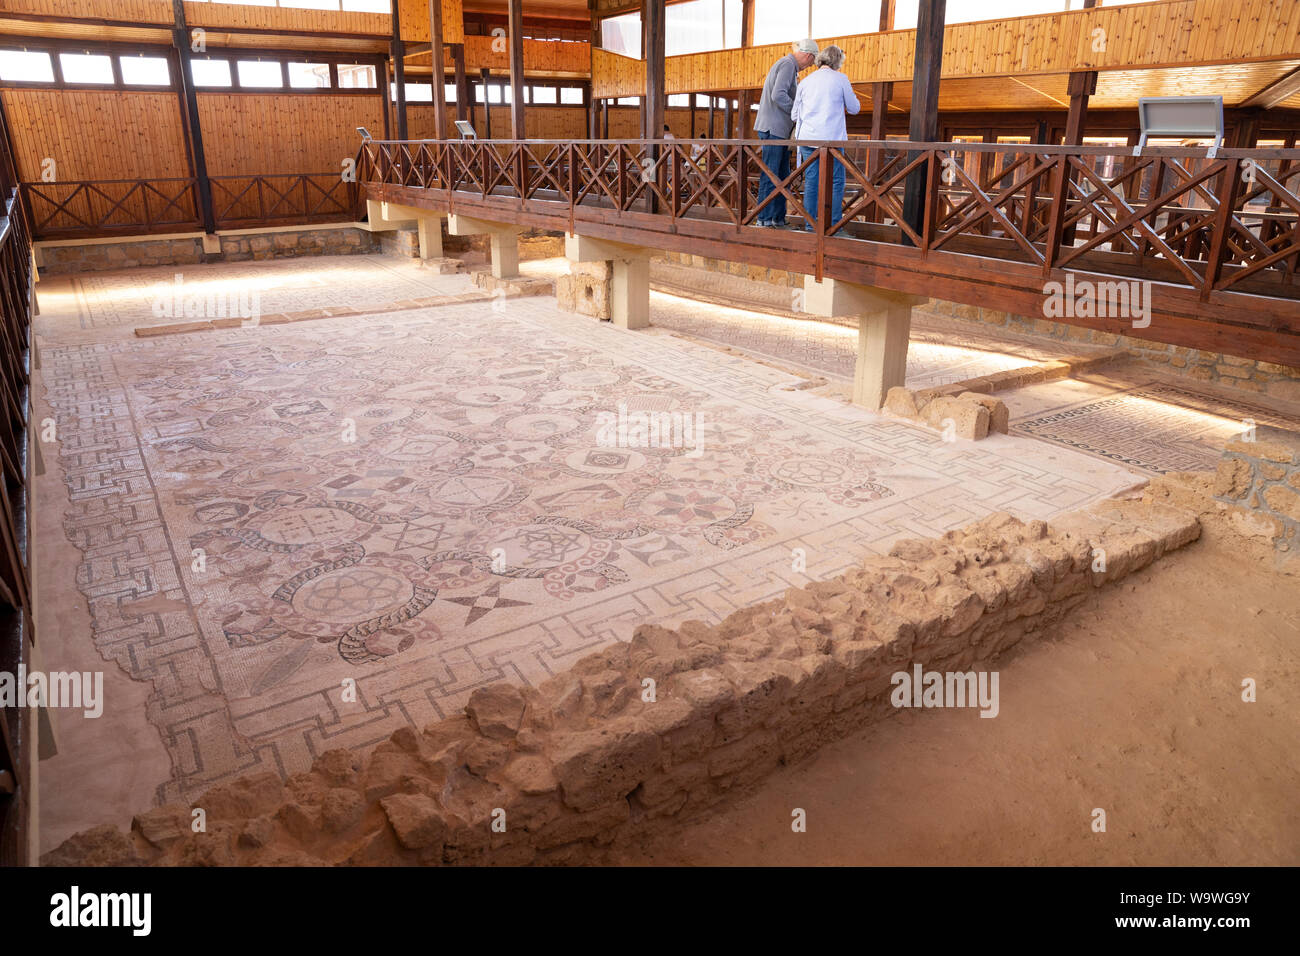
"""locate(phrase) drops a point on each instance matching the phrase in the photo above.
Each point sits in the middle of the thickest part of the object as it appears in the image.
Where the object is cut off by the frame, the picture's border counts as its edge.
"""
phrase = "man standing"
(774, 122)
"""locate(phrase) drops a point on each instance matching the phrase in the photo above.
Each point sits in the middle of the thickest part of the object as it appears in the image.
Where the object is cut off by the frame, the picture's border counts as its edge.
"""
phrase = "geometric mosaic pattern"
(422, 503)
(1154, 427)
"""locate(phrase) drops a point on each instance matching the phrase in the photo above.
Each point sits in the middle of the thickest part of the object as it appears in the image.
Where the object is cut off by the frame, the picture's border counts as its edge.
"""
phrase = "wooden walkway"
(1179, 246)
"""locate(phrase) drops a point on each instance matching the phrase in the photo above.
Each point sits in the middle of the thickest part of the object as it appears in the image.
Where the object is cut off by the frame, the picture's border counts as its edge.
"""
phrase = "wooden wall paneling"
(414, 17)
(256, 133)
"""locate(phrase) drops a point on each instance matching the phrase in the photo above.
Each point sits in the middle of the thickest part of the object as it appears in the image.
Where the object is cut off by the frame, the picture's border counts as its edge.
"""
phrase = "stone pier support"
(884, 324)
(431, 237)
(504, 239)
(629, 289)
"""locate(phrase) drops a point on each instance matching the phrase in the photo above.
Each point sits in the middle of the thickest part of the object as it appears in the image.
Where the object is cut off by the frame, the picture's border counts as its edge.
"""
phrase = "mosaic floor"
(1148, 425)
(426, 501)
(118, 302)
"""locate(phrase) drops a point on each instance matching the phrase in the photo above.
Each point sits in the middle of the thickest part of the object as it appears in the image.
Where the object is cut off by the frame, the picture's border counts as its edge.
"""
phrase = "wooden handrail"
(1162, 215)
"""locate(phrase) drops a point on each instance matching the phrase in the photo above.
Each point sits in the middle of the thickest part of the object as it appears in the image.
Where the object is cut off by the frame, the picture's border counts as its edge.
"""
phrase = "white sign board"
(1194, 117)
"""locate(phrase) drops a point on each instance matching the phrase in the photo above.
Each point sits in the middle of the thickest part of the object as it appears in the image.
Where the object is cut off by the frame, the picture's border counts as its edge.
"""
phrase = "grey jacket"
(778, 98)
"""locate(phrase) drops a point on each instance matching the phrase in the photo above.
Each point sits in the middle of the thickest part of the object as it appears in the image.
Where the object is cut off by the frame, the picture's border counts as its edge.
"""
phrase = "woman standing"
(824, 98)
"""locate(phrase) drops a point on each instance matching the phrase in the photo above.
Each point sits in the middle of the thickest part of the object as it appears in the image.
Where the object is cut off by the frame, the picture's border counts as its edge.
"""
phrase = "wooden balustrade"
(102, 208)
(1219, 235)
(17, 630)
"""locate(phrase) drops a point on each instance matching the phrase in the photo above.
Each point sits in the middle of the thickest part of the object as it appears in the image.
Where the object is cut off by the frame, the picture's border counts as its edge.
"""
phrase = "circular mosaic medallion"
(489, 395)
(589, 378)
(353, 594)
(600, 462)
(419, 448)
(810, 472)
(541, 425)
(302, 526)
(471, 491)
(685, 506)
(533, 546)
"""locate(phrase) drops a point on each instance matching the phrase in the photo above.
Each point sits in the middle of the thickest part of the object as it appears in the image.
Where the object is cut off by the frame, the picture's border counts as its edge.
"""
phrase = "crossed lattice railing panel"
(90, 208)
(299, 197)
(1209, 221)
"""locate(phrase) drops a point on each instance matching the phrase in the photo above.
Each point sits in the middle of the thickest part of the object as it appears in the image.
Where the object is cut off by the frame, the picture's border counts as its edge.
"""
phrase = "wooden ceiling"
(216, 38)
(1116, 89)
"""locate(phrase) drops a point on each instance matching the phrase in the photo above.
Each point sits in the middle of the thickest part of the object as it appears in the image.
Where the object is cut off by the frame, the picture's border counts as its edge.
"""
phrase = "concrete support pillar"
(629, 306)
(430, 237)
(504, 239)
(383, 216)
(505, 254)
(884, 324)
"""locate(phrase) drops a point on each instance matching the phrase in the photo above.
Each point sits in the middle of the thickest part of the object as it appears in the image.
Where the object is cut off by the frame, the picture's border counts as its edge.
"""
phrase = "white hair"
(832, 56)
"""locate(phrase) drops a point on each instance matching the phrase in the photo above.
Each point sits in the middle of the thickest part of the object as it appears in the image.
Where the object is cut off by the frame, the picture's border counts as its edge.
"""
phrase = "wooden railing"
(294, 199)
(102, 208)
(105, 207)
(17, 632)
(1203, 226)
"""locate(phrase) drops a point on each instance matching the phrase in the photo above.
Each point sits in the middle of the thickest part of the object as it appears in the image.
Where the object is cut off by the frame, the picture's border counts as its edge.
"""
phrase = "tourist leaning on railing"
(821, 103)
(774, 122)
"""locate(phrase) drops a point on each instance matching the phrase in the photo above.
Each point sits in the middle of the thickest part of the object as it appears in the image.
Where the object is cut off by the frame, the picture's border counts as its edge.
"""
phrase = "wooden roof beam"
(1275, 93)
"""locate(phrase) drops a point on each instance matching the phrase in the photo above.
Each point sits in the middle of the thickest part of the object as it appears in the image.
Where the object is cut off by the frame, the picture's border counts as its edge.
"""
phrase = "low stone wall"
(1263, 476)
(585, 290)
(646, 733)
(969, 415)
(188, 250)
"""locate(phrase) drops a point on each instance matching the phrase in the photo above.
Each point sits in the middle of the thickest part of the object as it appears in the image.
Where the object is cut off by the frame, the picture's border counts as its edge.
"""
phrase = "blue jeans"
(812, 185)
(777, 159)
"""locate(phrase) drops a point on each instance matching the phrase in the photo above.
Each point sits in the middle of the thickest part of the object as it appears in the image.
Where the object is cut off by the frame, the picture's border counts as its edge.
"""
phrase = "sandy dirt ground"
(1134, 706)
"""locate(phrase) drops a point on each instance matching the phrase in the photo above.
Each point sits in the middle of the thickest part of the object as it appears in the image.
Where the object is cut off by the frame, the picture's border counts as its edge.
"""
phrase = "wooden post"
(464, 106)
(397, 51)
(487, 104)
(726, 117)
(924, 120)
(516, 14)
(593, 104)
(747, 23)
(655, 18)
(712, 102)
(386, 96)
(881, 94)
(181, 39)
(438, 79)
(746, 113)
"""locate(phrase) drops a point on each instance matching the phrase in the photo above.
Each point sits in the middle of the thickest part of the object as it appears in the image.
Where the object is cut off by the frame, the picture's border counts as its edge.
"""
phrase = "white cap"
(806, 46)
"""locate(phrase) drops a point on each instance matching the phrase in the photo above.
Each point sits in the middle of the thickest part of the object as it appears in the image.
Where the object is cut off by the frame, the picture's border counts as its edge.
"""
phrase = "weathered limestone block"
(999, 415)
(416, 819)
(586, 289)
(497, 711)
(597, 767)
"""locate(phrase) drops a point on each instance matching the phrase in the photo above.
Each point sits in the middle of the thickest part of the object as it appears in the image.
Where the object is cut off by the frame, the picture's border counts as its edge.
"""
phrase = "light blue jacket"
(821, 103)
